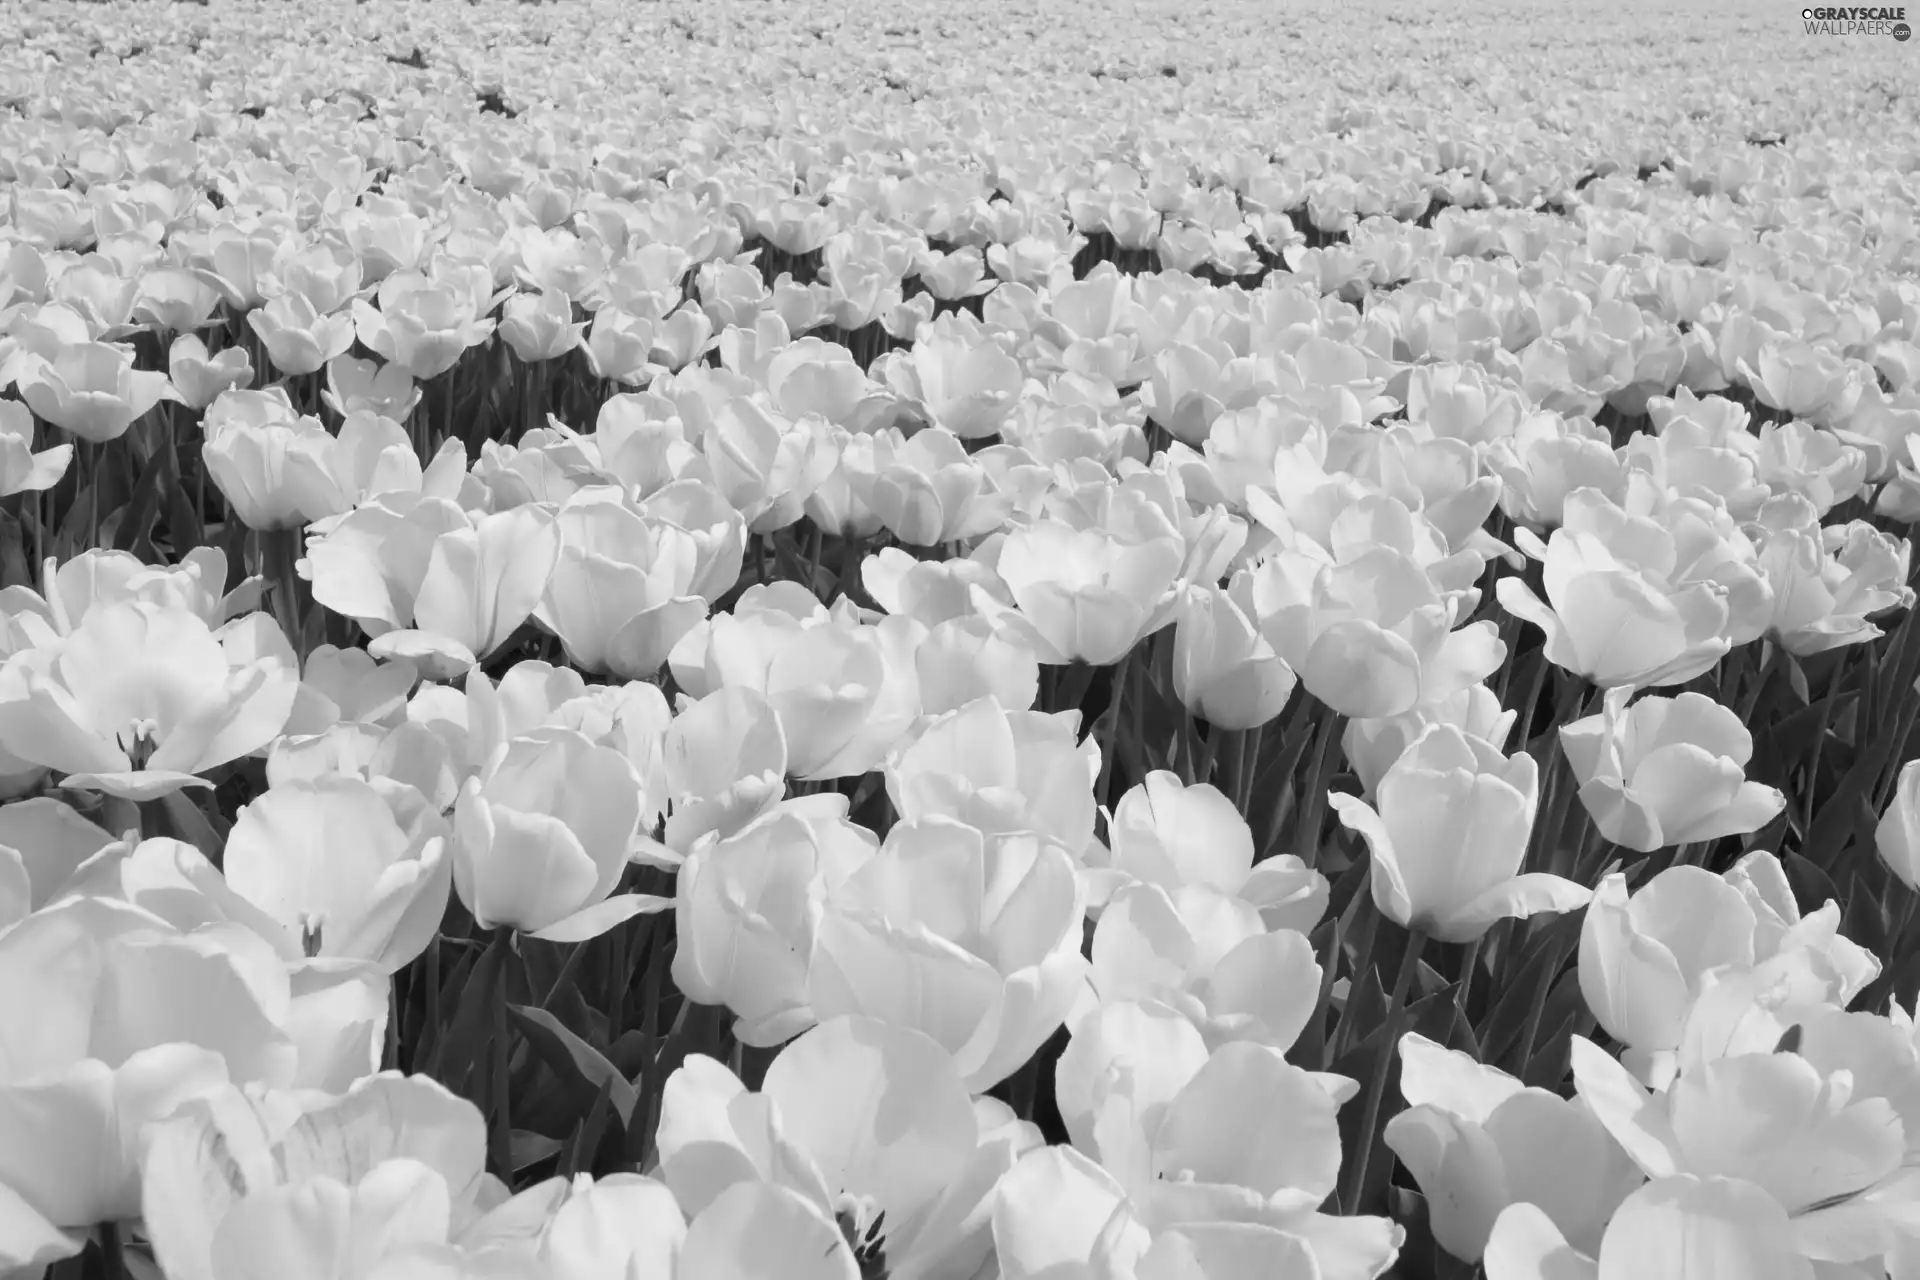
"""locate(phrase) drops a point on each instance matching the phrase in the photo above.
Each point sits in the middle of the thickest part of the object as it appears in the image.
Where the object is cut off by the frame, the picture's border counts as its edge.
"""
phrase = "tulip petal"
(1518, 898)
(591, 922)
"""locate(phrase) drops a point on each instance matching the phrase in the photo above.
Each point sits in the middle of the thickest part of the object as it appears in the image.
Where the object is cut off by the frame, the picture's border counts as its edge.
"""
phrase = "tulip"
(1182, 1154)
(385, 389)
(541, 839)
(999, 771)
(200, 378)
(43, 843)
(1449, 836)
(1372, 636)
(254, 449)
(725, 760)
(963, 659)
(1674, 1228)
(768, 465)
(1801, 1134)
(975, 941)
(1647, 958)
(540, 326)
(300, 339)
(1477, 1140)
(232, 1181)
(619, 346)
(1224, 671)
(331, 863)
(1168, 834)
(1371, 746)
(1616, 614)
(1666, 771)
(926, 488)
(91, 389)
(1828, 582)
(429, 581)
(876, 1129)
(21, 468)
(620, 593)
(746, 910)
(962, 384)
(844, 691)
(99, 577)
(1209, 956)
(1085, 595)
(422, 325)
(113, 1020)
(142, 698)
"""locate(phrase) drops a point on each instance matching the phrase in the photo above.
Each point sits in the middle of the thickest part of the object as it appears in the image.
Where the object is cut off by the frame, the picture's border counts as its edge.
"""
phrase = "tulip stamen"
(137, 740)
(863, 1230)
(311, 927)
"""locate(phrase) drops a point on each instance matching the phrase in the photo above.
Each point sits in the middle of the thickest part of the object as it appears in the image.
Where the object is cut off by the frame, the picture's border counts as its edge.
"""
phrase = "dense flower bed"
(769, 641)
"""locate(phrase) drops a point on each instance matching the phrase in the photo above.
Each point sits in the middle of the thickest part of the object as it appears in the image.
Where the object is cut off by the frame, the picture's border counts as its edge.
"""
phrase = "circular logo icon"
(1807, 14)
(1902, 32)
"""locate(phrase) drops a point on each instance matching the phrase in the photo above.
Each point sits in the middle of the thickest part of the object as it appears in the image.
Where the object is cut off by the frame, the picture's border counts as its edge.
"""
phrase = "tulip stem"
(500, 1132)
(113, 1263)
(1377, 1083)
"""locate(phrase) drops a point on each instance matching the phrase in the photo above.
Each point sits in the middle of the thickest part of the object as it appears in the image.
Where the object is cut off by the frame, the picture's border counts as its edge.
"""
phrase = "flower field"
(761, 640)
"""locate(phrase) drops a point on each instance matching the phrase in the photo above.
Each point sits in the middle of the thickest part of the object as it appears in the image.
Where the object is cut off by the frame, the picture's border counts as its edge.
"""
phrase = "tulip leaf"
(580, 1153)
(461, 1043)
(575, 1062)
(530, 1149)
(137, 517)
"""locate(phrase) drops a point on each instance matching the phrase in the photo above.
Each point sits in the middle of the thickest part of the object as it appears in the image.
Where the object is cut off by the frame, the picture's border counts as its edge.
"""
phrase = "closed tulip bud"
(1371, 746)
(1010, 909)
(1666, 771)
(1615, 611)
(746, 909)
(725, 761)
(719, 532)
(201, 378)
(1449, 836)
(1000, 771)
(1476, 1140)
(1644, 957)
(423, 325)
(540, 326)
(252, 441)
(682, 337)
(1224, 671)
(91, 389)
(299, 339)
(619, 346)
(542, 838)
(620, 596)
